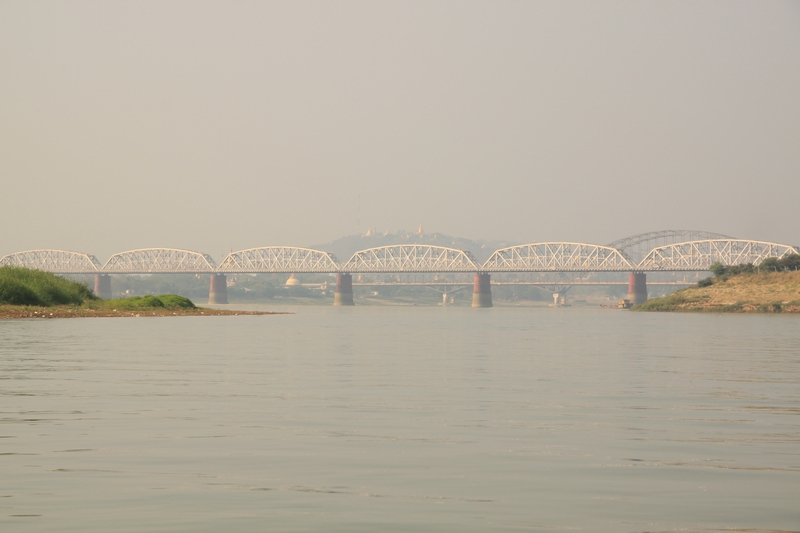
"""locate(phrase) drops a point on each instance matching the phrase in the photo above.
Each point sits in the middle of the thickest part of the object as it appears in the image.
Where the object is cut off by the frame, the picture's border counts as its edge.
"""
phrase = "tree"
(791, 262)
(770, 264)
(718, 269)
(747, 268)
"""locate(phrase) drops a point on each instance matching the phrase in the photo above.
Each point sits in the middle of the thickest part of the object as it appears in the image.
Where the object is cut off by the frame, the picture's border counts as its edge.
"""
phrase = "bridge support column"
(482, 290)
(102, 286)
(637, 288)
(344, 290)
(218, 290)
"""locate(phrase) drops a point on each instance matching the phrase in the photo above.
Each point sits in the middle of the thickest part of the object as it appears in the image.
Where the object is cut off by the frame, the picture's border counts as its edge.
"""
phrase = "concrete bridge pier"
(102, 286)
(637, 288)
(482, 290)
(344, 290)
(218, 290)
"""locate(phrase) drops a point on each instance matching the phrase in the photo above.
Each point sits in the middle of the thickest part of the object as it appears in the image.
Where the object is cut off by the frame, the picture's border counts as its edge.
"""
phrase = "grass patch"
(667, 303)
(659, 304)
(138, 303)
(23, 286)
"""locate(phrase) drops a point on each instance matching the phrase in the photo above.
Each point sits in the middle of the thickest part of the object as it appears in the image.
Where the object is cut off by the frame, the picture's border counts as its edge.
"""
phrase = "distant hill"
(345, 247)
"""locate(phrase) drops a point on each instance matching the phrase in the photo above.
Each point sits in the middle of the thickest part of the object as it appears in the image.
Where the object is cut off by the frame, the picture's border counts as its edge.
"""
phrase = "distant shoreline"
(10, 312)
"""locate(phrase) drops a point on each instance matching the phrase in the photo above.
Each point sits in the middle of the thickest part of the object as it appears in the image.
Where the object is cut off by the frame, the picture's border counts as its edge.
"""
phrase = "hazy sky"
(227, 125)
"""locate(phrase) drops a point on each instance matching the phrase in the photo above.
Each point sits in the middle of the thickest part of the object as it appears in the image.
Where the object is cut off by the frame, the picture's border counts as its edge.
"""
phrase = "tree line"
(787, 263)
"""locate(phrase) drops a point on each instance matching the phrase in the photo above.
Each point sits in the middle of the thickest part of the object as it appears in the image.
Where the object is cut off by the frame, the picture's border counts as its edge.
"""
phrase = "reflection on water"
(402, 419)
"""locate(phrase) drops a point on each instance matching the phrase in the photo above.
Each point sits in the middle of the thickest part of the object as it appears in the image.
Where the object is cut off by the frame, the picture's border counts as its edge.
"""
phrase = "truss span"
(636, 247)
(159, 260)
(411, 258)
(557, 257)
(279, 259)
(55, 261)
(700, 255)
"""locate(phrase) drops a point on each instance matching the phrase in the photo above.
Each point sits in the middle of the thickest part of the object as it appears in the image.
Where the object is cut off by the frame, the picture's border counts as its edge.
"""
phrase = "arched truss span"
(55, 261)
(159, 260)
(285, 259)
(700, 255)
(637, 247)
(411, 258)
(557, 256)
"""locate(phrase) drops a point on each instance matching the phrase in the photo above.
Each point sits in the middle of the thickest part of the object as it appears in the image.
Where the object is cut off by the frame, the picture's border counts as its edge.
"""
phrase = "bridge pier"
(344, 290)
(102, 286)
(637, 288)
(218, 290)
(482, 290)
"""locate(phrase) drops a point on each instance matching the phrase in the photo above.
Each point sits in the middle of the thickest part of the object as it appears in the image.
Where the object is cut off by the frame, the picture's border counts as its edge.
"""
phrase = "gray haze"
(227, 125)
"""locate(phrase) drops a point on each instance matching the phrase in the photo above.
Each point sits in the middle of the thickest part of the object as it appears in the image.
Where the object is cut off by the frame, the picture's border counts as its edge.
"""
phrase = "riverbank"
(773, 292)
(70, 311)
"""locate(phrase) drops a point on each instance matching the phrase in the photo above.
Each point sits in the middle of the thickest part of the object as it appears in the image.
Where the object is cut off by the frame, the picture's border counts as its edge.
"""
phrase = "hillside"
(773, 292)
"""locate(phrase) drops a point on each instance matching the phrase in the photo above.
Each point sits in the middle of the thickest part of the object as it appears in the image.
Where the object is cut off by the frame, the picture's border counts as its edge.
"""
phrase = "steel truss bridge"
(692, 255)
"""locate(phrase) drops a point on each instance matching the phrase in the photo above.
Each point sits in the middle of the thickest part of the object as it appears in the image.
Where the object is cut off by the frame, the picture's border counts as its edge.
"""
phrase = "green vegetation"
(22, 286)
(139, 303)
(788, 263)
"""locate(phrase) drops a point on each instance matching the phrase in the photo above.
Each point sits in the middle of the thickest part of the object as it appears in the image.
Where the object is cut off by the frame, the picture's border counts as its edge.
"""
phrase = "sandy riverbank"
(774, 292)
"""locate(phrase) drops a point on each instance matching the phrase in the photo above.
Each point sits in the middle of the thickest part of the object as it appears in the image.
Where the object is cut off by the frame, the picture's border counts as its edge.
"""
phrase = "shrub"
(770, 264)
(705, 282)
(164, 301)
(748, 268)
(23, 286)
(151, 301)
(718, 269)
(173, 301)
(791, 262)
(16, 293)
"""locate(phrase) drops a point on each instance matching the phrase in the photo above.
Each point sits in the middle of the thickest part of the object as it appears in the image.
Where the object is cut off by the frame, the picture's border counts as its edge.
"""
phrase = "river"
(402, 419)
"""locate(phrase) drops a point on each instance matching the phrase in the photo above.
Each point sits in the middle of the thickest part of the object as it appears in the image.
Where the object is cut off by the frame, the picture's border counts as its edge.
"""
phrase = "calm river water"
(402, 419)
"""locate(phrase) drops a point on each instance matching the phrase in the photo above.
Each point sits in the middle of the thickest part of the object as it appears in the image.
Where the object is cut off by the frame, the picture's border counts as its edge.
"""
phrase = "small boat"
(623, 304)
